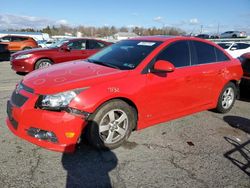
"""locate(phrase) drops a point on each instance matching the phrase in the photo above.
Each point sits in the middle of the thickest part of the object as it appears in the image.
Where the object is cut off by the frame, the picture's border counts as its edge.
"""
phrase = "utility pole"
(201, 28)
(218, 28)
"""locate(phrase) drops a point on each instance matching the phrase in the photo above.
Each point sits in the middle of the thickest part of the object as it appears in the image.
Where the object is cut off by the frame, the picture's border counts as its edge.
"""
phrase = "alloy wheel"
(227, 98)
(113, 126)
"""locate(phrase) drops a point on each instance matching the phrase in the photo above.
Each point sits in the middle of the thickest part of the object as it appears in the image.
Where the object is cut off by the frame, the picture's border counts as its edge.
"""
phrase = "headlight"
(57, 101)
(24, 56)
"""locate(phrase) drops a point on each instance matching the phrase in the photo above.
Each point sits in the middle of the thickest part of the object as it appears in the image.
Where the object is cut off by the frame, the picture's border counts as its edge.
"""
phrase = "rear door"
(208, 65)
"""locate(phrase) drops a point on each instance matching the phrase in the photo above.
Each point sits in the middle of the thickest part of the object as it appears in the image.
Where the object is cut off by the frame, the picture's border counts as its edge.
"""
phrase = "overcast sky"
(189, 15)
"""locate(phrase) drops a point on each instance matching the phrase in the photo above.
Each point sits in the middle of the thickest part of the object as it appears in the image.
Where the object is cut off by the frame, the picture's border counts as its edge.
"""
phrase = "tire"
(43, 63)
(113, 133)
(234, 36)
(27, 48)
(227, 98)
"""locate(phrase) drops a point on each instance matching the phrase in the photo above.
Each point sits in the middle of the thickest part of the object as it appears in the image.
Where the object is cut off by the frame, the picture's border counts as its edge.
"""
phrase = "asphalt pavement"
(201, 150)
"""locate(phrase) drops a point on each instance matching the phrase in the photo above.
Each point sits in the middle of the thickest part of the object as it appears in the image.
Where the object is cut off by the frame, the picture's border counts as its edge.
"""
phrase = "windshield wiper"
(103, 63)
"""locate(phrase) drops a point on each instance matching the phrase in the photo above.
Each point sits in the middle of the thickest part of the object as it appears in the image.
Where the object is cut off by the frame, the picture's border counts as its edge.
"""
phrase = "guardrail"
(231, 40)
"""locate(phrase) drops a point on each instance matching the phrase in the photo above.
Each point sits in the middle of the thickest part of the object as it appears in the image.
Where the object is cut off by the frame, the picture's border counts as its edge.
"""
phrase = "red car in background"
(130, 85)
(245, 63)
(61, 51)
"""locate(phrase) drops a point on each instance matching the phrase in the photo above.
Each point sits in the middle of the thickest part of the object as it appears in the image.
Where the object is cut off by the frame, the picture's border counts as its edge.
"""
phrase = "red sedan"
(130, 85)
(61, 51)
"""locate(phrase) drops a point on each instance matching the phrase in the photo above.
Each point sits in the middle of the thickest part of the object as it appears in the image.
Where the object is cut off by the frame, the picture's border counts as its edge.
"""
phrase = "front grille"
(18, 99)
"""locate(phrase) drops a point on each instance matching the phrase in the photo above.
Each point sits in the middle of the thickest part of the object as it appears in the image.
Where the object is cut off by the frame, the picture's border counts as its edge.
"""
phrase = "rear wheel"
(234, 36)
(43, 63)
(111, 125)
(227, 98)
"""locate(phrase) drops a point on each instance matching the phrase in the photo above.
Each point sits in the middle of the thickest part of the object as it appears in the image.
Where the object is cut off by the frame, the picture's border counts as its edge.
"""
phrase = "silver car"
(233, 34)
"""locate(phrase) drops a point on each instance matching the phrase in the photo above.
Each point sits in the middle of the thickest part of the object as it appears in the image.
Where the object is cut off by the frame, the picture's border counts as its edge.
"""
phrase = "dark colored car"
(245, 63)
(17, 43)
(203, 36)
(4, 52)
(61, 51)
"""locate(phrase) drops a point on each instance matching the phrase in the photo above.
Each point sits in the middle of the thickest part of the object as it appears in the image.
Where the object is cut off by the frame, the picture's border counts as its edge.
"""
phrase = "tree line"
(104, 31)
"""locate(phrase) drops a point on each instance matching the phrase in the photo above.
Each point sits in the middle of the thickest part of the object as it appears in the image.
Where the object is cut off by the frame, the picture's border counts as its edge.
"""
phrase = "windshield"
(225, 45)
(124, 55)
(58, 43)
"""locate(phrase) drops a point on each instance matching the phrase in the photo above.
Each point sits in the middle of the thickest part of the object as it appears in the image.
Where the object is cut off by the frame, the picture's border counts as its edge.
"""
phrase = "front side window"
(77, 45)
(177, 53)
(205, 53)
(59, 43)
(125, 55)
(220, 55)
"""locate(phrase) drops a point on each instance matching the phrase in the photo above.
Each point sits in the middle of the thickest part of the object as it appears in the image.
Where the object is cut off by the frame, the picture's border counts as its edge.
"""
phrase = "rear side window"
(177, 53)
(220, 56)
(6, 38)
(205, 53)
(92, 44)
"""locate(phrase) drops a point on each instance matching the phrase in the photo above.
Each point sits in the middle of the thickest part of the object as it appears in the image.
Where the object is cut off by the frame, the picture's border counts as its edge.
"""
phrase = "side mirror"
(163, 66)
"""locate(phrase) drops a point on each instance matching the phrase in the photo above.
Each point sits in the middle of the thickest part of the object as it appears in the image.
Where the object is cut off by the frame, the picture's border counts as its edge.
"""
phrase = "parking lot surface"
(202, 150)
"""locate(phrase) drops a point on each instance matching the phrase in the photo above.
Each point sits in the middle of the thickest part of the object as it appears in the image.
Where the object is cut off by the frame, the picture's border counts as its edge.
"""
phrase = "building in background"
(124, 35)
(35, 35)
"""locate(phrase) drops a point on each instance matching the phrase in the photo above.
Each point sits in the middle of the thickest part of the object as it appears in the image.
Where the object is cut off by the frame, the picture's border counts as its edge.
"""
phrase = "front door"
(75, 50)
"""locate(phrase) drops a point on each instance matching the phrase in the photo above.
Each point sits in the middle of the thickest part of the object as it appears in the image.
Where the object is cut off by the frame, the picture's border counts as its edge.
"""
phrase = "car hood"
(35, 50)
(70, 75)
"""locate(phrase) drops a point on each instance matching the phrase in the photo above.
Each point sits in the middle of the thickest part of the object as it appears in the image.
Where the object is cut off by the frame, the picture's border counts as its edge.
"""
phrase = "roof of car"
(21, 36)
(163, 38)
(246, 55)
(85, 38)
(232, 42)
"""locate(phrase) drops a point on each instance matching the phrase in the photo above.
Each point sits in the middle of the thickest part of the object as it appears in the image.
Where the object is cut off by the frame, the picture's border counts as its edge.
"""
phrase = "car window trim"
(85, 40)
(147, 68)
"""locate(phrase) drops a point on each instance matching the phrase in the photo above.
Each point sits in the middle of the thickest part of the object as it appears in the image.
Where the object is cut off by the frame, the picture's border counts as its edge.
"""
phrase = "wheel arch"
(27, 47)
(40, 59)
(128, 101)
